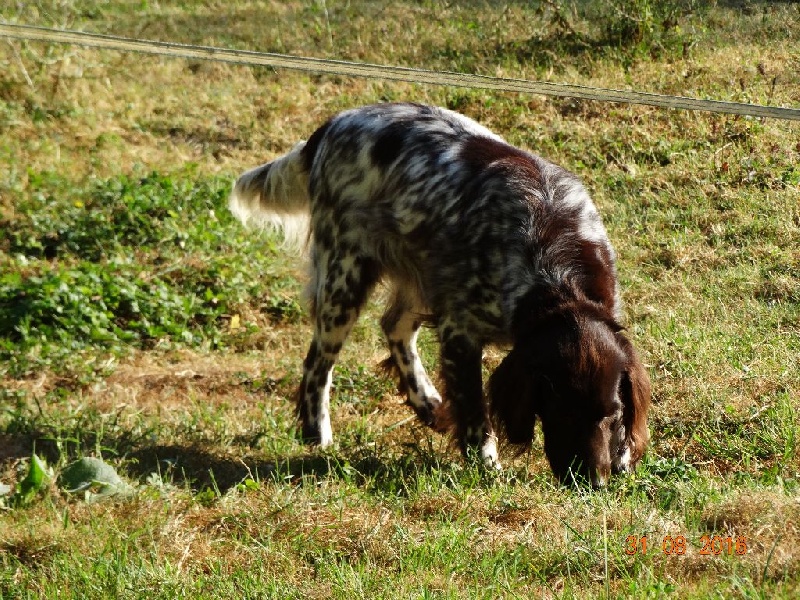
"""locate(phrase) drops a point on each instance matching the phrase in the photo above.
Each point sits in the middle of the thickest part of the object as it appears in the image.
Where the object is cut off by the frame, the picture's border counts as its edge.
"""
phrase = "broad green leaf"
(36, 480)
(92, 475)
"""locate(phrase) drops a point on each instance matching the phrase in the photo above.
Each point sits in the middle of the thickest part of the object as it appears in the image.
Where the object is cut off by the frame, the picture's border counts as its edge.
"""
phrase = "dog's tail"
(276, 195)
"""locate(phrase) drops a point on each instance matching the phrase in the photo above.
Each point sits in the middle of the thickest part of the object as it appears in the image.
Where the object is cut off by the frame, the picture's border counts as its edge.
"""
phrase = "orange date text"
(709, 545)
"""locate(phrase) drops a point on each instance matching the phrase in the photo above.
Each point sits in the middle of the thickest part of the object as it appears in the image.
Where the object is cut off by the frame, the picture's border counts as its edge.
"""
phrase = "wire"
(393, 73)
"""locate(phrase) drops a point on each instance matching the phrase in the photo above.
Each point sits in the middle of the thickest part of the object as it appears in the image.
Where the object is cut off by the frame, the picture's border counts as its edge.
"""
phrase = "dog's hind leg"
(401, 323)
(340, 287)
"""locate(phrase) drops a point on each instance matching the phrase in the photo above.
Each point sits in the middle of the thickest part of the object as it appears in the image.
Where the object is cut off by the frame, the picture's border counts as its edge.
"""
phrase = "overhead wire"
(387, 72)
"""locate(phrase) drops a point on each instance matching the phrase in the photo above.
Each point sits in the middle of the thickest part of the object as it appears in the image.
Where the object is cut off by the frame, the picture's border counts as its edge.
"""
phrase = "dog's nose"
(623, 462)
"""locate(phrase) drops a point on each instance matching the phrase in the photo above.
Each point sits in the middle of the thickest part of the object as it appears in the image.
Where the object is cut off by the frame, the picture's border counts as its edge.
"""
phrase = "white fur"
(275, 196)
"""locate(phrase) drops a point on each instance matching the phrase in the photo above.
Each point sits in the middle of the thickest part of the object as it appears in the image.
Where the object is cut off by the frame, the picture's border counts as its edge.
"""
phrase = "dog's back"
(441, 202)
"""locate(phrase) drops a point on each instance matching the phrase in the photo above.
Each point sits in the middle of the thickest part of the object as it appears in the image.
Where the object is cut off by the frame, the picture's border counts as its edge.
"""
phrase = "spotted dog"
(488, 243)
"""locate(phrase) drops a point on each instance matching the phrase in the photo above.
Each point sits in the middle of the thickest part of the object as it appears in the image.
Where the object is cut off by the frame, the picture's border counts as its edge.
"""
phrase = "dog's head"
(584, 381)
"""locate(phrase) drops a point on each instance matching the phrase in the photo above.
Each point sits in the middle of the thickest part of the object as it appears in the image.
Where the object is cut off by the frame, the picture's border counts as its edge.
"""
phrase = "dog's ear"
(634, 391)
(512, 397)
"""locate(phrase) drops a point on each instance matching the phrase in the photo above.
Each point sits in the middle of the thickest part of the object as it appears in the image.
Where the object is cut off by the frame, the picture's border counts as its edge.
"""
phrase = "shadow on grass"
(218, 465)
(201, 468)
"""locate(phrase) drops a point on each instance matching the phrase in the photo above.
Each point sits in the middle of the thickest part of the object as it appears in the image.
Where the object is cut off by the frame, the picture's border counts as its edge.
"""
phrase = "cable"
(353, 69)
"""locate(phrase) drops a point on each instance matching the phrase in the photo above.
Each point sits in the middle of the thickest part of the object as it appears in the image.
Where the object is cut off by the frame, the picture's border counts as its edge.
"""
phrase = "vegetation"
(149, 346)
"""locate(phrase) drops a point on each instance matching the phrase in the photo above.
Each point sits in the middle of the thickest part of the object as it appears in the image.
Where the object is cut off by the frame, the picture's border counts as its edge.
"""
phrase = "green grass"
(140, 324)
(129, 263)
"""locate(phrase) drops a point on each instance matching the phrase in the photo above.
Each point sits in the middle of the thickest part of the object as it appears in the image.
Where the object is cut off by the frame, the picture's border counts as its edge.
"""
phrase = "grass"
(140, 324)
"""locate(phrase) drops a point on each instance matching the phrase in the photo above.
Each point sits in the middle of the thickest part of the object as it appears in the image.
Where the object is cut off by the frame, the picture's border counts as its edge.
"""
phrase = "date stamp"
(708, 545)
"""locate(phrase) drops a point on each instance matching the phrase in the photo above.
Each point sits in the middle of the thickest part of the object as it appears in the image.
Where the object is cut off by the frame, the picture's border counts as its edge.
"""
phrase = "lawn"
(142, 326)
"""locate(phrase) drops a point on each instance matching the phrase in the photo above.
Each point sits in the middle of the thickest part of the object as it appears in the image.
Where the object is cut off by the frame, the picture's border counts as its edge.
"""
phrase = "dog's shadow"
(197, 468)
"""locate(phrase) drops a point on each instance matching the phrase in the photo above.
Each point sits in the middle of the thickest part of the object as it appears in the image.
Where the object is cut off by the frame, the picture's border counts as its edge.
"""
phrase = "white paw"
(489, 454)
(325, 432)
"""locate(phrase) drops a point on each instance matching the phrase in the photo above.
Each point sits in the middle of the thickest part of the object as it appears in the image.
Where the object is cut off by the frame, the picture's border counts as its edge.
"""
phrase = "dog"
(486, 242)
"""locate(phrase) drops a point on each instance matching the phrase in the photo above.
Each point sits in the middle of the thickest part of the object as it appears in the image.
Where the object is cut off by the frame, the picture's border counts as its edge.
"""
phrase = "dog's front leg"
(461, 370)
